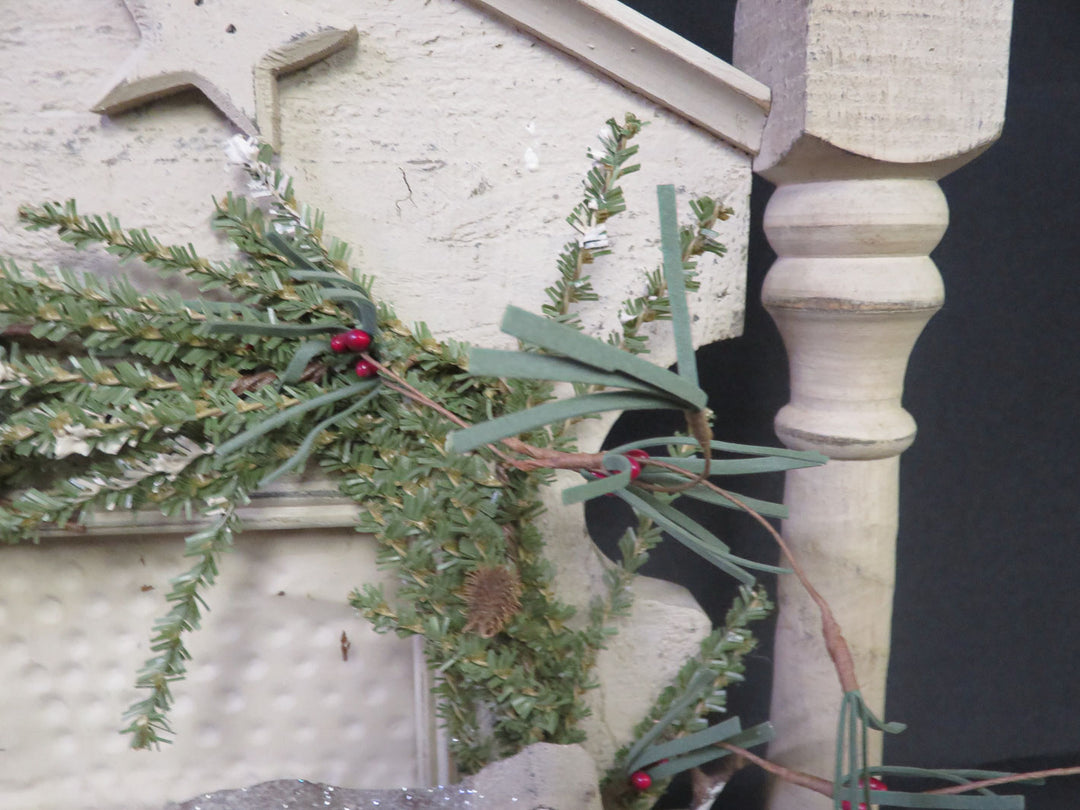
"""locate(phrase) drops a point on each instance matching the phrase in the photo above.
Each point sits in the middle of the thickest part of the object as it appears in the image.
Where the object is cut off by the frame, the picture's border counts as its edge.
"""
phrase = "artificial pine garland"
(127, 400)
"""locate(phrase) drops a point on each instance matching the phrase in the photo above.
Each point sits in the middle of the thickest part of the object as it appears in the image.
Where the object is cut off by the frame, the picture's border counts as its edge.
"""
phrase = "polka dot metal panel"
(269, 693)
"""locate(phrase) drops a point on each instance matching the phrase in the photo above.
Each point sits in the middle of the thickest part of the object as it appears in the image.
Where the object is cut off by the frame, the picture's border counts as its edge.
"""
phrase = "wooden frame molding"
(649, 59)
(290, 505)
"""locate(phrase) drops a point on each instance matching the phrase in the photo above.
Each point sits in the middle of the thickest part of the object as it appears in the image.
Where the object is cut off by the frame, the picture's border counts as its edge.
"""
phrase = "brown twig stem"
(835, 643)
(412, 393)
(806, 780)
(1004, 780)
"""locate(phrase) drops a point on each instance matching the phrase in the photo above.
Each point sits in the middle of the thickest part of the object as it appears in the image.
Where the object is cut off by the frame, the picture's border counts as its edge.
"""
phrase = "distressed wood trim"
(649, 59)
(291, 506)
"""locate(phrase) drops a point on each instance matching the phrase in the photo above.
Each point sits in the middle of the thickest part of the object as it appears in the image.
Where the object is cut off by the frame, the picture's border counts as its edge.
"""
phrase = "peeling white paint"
(530, 159)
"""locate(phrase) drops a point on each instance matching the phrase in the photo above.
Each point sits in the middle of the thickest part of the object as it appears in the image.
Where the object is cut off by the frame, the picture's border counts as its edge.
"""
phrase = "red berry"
(640, 780)
(357, 340)
(338, 343)
(635, 466)
(637, 457)
(365, 369)
(875, 784)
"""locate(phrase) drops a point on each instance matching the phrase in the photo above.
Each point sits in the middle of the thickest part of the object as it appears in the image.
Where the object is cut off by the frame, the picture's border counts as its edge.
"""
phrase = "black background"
(985, 665)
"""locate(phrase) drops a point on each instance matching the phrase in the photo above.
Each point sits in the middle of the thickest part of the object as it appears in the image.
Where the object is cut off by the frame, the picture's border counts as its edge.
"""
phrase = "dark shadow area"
(986, 648)
(706, 23)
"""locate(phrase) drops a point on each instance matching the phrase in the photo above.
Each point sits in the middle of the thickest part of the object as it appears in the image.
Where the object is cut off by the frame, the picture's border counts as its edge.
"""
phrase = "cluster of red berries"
(875, 784)
(355, 340)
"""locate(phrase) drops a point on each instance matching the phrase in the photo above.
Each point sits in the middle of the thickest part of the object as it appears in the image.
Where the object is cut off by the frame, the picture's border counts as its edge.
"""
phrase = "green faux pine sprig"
(654, 304)
(699, 690)
(121, 397)
(602, 199)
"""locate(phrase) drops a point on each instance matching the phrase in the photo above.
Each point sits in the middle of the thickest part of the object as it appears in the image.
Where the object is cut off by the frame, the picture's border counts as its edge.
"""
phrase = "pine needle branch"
(654, 304)
(147, 718)
(603, 199)
(718, 664)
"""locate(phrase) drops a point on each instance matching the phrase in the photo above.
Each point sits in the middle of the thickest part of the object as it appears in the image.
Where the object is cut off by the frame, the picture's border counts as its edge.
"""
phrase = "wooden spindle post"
(873, 102)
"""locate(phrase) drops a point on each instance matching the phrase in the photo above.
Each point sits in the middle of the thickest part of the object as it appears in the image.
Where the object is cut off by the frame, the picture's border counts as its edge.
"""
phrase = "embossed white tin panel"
(269, 695)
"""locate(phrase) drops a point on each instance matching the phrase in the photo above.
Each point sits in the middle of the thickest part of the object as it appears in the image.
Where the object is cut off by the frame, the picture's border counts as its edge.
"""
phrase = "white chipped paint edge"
(649, 59)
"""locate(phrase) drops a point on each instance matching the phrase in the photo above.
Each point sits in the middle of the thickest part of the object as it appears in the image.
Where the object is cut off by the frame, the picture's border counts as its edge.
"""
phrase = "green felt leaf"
(327, 279)
(531, 366)
(282, 246)
(688, 532)
(956, 775)
(635, 757)
(811, 456)
(737, 466)
(566, 340)
(618, 478)
(359, 307)
(674, 275)
(692, 742)
(874, 722)
(303, 355)
(893, 798)
(270, 329)
(701, 754)
(513, 424)
(851, 756)
(983, 800)
(753, 565)
(706, 495)
(279, 419)
(304, 450)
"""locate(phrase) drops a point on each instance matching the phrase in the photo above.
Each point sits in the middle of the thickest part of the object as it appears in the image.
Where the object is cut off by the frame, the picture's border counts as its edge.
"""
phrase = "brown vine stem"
(412, 393)
(835, 643)
(806, 780)
(1004, 780)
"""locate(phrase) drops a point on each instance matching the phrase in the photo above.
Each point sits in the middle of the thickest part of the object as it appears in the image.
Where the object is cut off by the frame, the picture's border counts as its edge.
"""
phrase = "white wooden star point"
(231, 50)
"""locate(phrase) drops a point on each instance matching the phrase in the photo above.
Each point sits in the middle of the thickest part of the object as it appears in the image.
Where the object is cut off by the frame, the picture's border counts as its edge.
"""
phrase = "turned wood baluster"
(873, 102)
